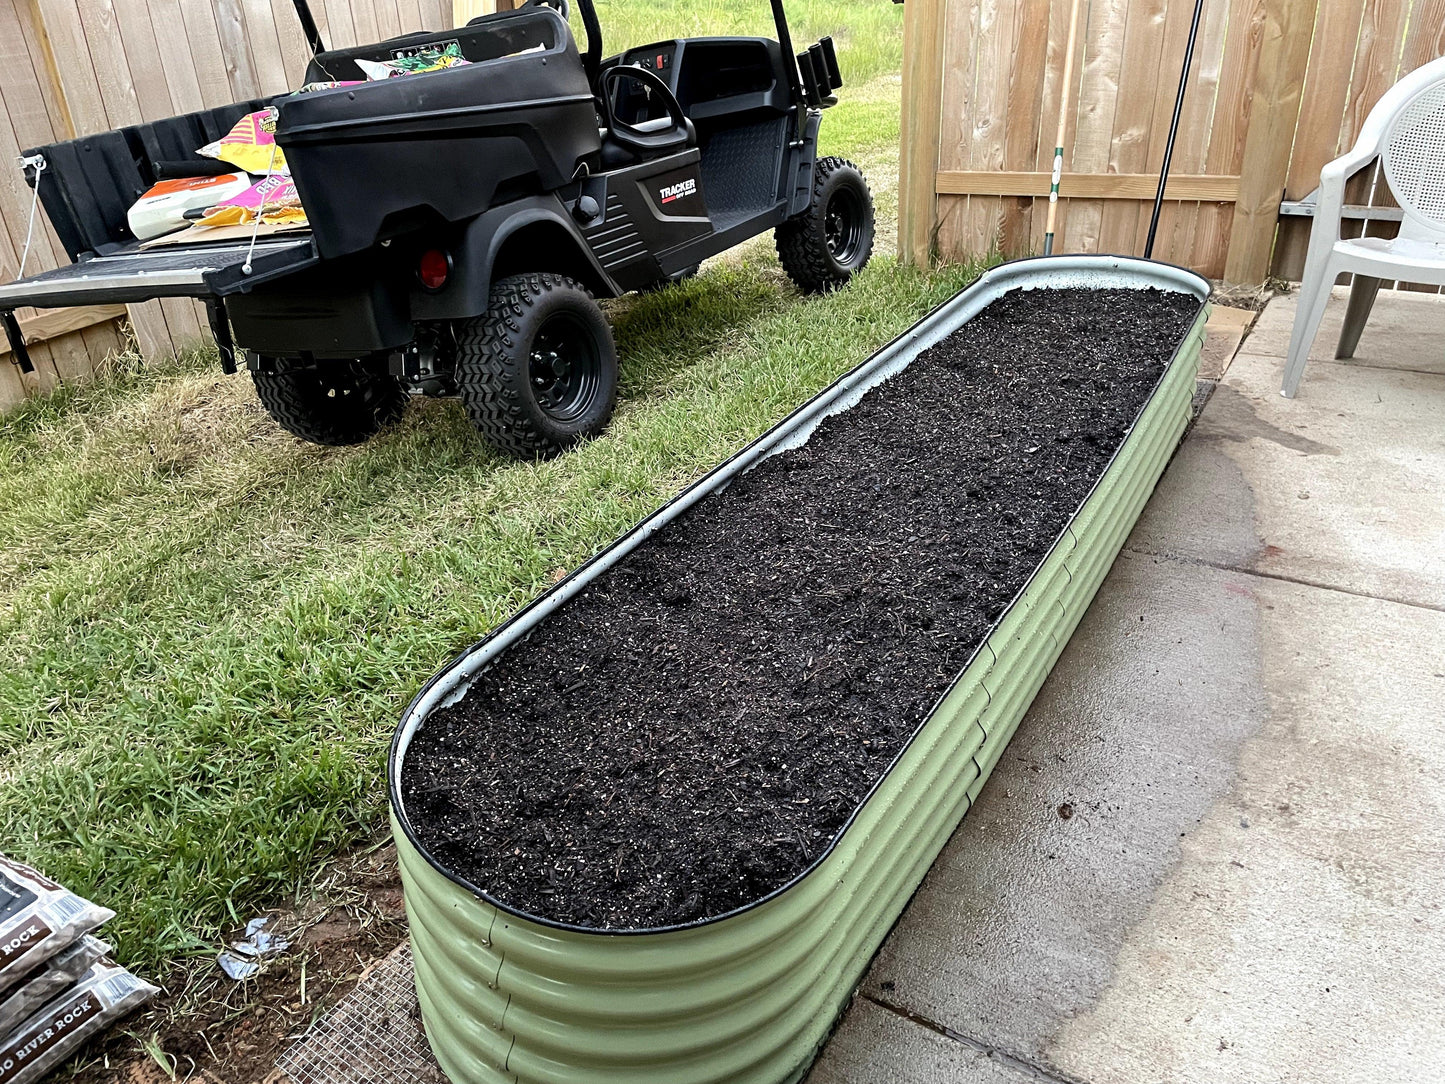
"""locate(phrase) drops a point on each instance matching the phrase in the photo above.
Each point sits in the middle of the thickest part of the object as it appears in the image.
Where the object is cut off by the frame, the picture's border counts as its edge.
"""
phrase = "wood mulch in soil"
(692, 731)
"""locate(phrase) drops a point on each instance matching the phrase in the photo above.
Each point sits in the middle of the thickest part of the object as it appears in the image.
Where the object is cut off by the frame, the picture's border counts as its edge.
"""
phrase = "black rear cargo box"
(384, 158)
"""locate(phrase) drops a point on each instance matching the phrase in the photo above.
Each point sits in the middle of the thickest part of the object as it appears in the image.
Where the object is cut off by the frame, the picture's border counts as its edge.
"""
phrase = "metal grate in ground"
(373, 1036)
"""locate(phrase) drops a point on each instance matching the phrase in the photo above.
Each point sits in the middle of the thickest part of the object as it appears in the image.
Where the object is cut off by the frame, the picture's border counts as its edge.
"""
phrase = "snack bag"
(63, 969)
(427, 60)
(250, 145)
(38, 918)
(274, 200)
(163, 207)
(104, 995)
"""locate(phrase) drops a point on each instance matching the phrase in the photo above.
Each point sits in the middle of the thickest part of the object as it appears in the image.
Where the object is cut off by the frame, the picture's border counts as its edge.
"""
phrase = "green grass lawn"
(210, 629)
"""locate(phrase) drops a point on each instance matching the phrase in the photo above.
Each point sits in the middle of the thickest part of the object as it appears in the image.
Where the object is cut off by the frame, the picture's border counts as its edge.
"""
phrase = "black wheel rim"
(843, 226)
(564, 367)
(348, 385)
(338, 386)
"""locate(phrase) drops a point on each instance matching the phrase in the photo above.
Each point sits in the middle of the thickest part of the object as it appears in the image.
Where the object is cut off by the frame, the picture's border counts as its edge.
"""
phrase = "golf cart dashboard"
(717, 77)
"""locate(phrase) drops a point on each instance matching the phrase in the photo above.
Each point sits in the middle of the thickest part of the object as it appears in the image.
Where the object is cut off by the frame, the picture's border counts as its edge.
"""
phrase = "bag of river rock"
(38, 918)
(63, 969)
(103, 996)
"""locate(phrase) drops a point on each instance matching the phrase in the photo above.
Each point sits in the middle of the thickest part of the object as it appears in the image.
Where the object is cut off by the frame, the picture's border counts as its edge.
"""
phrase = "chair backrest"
(1412, 154)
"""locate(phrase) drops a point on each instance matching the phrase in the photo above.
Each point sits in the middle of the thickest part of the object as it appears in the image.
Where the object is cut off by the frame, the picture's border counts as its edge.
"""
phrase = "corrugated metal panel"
(749, 997)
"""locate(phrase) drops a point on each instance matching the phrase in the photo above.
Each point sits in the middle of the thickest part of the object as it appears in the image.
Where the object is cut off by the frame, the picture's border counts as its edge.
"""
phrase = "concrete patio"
(1215, 850)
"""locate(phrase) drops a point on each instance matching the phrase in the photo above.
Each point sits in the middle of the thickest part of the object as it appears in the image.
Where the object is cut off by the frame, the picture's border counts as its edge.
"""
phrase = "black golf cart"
(463, 222)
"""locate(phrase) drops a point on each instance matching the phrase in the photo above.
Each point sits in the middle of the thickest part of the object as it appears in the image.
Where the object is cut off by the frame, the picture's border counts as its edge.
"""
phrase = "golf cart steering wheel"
(645, 137)
(562, 6)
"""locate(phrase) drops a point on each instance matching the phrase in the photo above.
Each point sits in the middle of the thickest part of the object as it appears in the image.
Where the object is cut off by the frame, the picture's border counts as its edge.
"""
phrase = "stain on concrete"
(1016, 930)
(1300, 937)
(1203, 508)
(1235, 419)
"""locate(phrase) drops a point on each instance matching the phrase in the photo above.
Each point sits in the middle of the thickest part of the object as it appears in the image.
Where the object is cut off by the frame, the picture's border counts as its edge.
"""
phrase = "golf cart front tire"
(537, 371)
(825, 246)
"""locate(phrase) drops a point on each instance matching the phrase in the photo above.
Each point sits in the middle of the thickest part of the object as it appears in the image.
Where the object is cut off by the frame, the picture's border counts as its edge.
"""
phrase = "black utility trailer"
(463, 222)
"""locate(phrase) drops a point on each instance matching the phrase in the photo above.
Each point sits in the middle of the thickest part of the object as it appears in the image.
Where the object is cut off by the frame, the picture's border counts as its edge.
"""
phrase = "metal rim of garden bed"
(1035, 273)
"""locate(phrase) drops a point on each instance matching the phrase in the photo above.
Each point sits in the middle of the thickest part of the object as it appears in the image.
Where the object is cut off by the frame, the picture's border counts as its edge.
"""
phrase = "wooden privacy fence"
(75, 67)
(1278, 88)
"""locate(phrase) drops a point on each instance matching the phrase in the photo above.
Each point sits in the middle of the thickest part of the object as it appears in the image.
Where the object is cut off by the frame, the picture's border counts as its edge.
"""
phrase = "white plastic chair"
(1406, 132)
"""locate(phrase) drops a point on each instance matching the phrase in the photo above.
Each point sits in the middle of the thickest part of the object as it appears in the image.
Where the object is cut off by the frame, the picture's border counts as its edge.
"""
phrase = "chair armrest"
(1330, 206)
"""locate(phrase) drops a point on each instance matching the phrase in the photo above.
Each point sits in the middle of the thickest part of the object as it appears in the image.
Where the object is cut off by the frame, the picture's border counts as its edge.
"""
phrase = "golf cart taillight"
(433, 268)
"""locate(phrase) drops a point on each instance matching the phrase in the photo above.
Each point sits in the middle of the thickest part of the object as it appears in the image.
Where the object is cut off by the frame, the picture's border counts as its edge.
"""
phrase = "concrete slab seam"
(1014, 1061)
(1279, 577)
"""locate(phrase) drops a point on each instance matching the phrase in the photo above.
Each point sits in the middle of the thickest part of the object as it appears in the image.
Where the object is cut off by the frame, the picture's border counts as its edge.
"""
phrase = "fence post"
(923, 22)
(1283, 56)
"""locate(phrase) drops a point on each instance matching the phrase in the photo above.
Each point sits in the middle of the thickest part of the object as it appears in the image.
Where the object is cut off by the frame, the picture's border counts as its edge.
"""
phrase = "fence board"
(143, 58)
(295, 51)
(409, 12)
(236, 49)
(1131, 187)
(918, 160)
(388, 20)
(204, 39)
(1051, 103)
(1134, 109)
(961, 38)
(1179, 223)
(42, 65)
(1024, 119)
(27, 119)
(1344, 53)
(263, 36)
(1098, 95)
(998, 29)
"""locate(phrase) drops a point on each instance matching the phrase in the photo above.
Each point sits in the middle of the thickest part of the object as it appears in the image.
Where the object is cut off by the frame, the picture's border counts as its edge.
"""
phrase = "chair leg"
(1362, 299)
(1314, 295)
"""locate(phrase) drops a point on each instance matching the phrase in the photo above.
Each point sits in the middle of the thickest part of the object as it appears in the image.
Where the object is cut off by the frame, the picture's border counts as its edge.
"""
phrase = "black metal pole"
(308, 27)
(1173, 130)
(790, 62)
(17, 341)
(592, 58)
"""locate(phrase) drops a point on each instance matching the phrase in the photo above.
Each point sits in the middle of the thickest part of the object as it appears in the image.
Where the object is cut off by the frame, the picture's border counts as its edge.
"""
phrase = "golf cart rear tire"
(825, 246)
(537, 371)
(335, 404)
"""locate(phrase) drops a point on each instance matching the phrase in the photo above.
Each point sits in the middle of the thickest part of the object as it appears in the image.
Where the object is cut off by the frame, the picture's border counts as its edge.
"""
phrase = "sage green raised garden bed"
(750, 996)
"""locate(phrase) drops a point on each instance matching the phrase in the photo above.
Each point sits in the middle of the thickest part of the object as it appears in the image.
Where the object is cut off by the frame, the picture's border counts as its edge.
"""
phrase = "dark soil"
(695, 728)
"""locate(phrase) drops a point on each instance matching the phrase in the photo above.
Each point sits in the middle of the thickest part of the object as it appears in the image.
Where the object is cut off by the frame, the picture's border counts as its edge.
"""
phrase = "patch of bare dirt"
(207, 1029)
